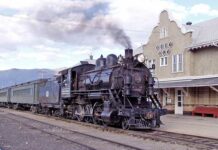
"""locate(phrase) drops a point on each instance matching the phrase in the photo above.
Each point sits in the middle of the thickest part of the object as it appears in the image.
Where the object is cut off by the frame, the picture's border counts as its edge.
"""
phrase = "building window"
(180, 63)
(163, 61)
(165, 96)
(163, 32)
(174, 63)
(150, 62)
(177, 64)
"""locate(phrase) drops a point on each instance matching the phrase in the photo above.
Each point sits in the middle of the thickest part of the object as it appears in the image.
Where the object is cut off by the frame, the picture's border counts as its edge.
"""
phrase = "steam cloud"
(78, 20)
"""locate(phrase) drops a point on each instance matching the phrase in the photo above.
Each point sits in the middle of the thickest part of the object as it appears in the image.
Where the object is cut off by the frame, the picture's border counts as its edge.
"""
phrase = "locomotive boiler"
(115, 91)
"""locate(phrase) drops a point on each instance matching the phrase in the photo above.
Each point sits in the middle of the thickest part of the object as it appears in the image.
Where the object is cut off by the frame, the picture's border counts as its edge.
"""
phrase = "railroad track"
(181, 139)
(85, 141)
(156, 135)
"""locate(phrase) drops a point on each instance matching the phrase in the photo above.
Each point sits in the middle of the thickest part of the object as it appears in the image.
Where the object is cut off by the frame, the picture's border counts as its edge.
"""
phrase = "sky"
(59, 33)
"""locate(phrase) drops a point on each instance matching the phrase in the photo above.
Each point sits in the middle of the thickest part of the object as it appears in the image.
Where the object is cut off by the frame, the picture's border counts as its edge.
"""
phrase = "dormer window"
(163, 32)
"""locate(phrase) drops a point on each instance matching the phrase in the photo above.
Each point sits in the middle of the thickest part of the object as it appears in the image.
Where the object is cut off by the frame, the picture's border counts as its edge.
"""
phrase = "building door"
(179, 100)
(164, 103)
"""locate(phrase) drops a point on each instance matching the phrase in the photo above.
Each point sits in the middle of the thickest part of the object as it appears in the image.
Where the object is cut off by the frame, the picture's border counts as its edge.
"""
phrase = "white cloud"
(138, 18)
(18, 4)
(203, 9)
(39, 33)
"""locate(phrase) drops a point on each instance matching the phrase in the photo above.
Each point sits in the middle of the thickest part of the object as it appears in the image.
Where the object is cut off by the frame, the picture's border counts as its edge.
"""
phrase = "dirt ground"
(15, 136)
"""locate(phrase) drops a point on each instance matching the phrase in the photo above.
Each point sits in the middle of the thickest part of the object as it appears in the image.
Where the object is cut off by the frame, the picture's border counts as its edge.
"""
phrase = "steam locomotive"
(115, 91)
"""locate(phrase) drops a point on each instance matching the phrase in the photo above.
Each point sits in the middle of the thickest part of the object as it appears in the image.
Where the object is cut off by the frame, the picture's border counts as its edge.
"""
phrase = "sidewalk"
(193, 125)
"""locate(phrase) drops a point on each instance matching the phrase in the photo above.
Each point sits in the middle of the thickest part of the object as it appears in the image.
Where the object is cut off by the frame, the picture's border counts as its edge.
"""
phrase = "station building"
(186, 60)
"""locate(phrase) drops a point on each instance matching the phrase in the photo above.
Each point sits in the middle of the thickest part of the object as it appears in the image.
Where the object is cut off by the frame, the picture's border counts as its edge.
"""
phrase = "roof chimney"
(189, 23)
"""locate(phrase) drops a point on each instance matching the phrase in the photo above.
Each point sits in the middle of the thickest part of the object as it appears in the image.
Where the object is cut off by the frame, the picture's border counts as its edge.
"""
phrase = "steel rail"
(156, 135)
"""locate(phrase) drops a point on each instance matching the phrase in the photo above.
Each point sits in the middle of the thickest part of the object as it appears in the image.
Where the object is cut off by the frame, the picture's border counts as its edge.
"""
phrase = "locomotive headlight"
(141, 58)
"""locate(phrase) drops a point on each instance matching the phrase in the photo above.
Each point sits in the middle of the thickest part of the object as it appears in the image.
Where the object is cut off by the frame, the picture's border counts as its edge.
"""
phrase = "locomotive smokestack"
(128, 53)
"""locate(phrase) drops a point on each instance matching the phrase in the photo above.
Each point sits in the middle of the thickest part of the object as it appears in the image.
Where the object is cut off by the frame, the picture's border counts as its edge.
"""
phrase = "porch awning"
(188, 83)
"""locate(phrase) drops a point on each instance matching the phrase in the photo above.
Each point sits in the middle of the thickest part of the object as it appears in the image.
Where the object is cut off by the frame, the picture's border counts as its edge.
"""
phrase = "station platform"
(191, 125)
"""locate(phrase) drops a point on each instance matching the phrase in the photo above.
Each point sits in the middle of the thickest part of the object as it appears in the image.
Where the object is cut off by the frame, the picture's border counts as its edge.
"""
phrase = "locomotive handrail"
(96, 75)
(113, 99)
(153, 101)
(155, 96)
(89, 90)
(129, 102)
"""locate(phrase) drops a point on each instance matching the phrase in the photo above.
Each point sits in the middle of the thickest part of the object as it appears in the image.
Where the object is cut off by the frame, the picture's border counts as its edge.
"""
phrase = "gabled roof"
(204, 34)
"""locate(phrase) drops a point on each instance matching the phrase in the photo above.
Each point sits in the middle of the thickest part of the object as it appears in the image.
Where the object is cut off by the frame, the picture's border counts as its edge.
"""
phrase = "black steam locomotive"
(115, 91)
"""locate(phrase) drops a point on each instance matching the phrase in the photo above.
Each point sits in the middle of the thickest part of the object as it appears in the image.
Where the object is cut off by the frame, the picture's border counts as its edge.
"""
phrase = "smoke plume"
(119, 35)
(78, 21)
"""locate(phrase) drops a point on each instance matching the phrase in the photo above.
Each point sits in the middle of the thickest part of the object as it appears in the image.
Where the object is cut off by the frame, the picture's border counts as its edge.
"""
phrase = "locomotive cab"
(70, 79)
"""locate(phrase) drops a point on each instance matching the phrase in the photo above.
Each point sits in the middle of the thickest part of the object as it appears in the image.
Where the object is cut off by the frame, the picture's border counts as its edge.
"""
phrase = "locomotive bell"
(128, 53)
(111, 60)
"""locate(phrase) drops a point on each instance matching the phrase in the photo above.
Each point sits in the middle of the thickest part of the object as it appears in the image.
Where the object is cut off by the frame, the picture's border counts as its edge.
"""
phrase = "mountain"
(16, 76)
